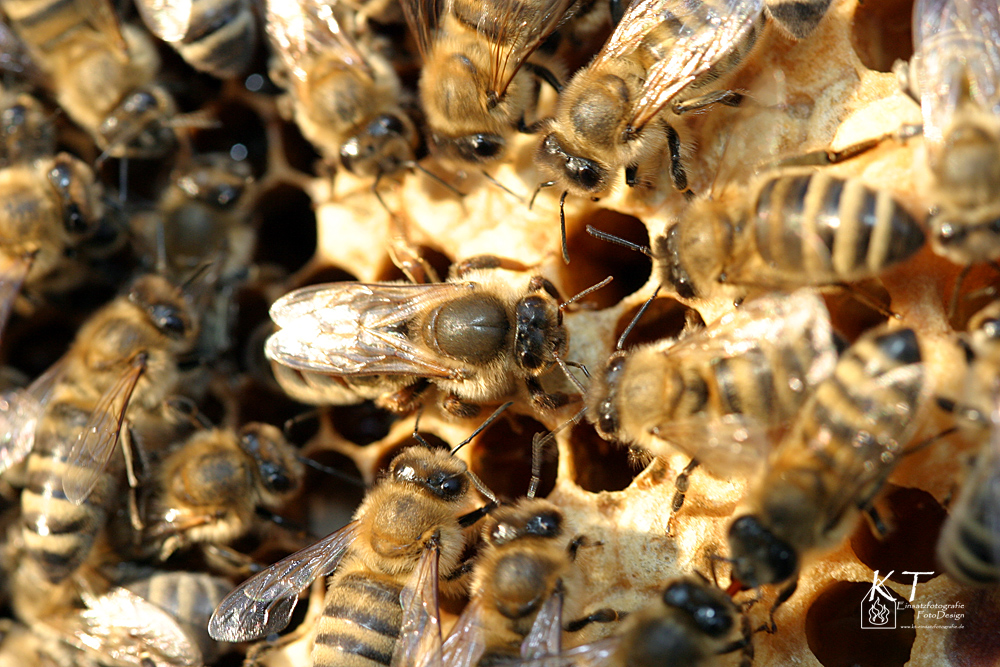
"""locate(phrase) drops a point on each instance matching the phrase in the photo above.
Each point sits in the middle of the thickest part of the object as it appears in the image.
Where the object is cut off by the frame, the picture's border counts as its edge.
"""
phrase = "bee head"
(165, 307)
(137, 127)
(670, 264)
(279, 471)
(73, 182)
(384, 146)
(528, 518)
(759, 556)
(436, 471)
(580, 175)
(707, 607)
(216, 180)
(605, 411)
(477, 148)
(539, 336)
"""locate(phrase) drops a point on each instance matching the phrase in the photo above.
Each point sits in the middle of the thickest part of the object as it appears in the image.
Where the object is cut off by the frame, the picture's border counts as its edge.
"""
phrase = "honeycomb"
(830, 91)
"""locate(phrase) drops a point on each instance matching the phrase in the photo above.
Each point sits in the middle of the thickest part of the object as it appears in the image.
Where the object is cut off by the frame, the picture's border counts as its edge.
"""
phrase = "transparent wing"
(13, 271)
(170, 20)
(19, 415)
(358, 329)
(706, 32)
(596, 654)
(102, 16)
(956, 60)
(545, 636)
(419, 643)
(422, 17)
(517, 29)
(130, 630)
(93, 448)
(734, 444)
(303, 30)
(264, 603)
(466, 643)
(640, 17)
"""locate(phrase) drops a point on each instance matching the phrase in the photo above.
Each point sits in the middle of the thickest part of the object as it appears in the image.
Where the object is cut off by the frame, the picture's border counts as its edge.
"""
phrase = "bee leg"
(542, 399)
(409, 260)
(771, 627)
(404, 400)
(605, 615)
(578, 542)
(677, 172)
(466, 266)
(901, 69)
(878, 525)
(681, 483)
(229, 561)
(544, 74)
(729, 98)
(455, 406)
(135, 509)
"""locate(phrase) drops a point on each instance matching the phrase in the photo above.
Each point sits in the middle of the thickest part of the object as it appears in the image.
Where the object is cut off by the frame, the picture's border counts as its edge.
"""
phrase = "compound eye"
(584, 172)
(168, 319)
(386, 124)
(480, 147)
(544, 525)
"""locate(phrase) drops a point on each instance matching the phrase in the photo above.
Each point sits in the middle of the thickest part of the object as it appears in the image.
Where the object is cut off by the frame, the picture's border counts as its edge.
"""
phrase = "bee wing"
(302, 30)
(13, 271)
(957, 58)
(798, 324)
(170, 20)
(127, 628)
(545, 636)
(733, 445)
(639, 18)
(419, 643)
(264, 603)
(707, 33)
(95, 445)
(517, 29)
(19, 415)
(466, 643)
(354, 329)
(596, 654)
(422, 16)
(102, 17)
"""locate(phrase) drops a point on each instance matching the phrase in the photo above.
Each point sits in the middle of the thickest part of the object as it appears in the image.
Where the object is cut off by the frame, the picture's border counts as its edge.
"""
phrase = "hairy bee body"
(102, 74)
(969, 545)
(730, 387)
(214, 36)
(795, 229)
(208, 489)
(834, 460)
(405, 543)
(476, 338)
(122, 365)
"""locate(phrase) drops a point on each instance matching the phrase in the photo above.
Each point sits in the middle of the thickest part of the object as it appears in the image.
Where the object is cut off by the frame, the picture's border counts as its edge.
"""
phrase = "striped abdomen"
(813, 228)
(851, 432)
(221, 39)
(361, 621)
(59, 535)
(969, 546)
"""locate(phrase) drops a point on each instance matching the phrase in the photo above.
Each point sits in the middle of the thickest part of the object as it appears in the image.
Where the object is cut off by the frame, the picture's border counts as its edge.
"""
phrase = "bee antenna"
(430, 174)
(562, 226)
(564, 365)
(503, 187)
(161, 248)
(123, 179)
(200, 271)
(482, 488)
(586, 292)
(617, 240)
(333, 472)
(546, 184)
(635, 320)
(538, 442)
(492, 418)
(292, 422)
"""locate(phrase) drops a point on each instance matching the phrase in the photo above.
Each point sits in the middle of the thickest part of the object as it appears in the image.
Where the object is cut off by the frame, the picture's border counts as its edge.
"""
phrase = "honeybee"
(345, 95)
(692, 623)
(796, 228)
(720, 394)
(475, 337)
(118, 371)
(101, 73)
(955, 76)
(969, 545)
(26, 128)
(517, 588)
(213, 37)
(843, 445)
(49, 208)
(210, 489)
(405, 542)
(478, 78)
